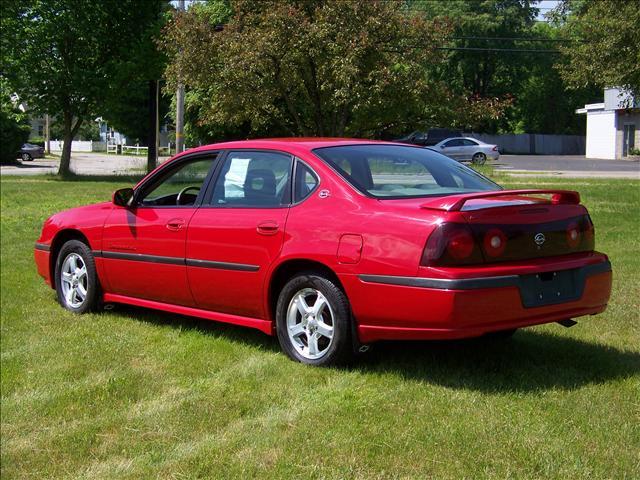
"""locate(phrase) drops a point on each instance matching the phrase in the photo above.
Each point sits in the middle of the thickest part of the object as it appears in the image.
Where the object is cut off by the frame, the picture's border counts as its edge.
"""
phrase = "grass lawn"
(133, 393)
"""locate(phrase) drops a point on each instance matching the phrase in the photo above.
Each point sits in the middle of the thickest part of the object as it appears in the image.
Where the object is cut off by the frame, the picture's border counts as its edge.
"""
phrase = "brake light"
(495, 241)
(495, 148)
(451, 244)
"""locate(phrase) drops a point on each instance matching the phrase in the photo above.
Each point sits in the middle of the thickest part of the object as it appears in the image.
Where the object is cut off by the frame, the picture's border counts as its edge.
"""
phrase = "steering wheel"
(183, 191)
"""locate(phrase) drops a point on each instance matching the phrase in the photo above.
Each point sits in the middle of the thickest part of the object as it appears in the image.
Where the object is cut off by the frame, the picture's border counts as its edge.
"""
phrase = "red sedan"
(331, 244)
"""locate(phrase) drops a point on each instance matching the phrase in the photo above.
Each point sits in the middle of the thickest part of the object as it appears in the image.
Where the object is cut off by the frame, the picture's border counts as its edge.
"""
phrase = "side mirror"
(122, 197)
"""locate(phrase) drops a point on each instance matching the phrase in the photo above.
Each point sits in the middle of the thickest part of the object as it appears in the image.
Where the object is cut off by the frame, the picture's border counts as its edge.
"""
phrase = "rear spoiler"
(454, 203)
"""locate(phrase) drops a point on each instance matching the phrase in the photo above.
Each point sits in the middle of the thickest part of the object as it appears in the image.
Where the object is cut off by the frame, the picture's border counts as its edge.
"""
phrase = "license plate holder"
(549, 288)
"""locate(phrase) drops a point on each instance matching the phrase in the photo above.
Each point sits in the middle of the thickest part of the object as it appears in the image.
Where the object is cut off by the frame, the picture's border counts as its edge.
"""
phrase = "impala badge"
(539, 239)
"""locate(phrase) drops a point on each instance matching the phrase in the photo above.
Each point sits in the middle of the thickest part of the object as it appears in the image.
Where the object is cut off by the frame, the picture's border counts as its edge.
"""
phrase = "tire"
(26, 157)
(329, 346)
(74, 258)
(500, 335)
(479, 158)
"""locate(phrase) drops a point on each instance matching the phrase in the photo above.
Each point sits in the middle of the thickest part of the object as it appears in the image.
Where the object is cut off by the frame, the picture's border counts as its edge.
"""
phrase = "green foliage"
(88, 131)
(608, 51)
(314, 68)
(14, 126)
(65, 56)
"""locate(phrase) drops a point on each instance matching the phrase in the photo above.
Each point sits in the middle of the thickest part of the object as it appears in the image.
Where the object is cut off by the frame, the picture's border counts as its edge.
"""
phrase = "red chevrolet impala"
(331, 244)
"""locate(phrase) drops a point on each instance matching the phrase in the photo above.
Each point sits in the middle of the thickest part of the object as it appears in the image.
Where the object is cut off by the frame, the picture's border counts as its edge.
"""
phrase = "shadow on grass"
(530, 361)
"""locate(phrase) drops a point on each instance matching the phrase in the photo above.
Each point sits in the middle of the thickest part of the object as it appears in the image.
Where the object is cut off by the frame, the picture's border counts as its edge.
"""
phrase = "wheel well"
(59, 240)
(290, 268)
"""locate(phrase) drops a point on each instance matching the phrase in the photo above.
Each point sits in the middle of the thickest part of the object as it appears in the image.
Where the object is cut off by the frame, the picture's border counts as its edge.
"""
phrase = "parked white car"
(467, 149)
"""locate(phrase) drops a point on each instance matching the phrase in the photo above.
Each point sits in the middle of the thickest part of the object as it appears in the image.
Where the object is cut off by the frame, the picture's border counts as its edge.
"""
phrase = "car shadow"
(532, 360)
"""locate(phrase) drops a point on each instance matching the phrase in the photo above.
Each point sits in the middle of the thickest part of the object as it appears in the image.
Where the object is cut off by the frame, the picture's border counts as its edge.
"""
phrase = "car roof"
(289, 144)
(461, 138)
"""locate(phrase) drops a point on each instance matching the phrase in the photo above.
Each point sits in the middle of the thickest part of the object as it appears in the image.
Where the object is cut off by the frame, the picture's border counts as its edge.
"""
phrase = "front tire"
(26, 157)
(76, 279)
(479, 159)
(313, 321)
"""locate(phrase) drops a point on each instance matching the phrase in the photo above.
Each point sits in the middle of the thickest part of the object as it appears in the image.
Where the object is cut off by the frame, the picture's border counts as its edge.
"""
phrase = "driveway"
(83, 164)
(568, 166)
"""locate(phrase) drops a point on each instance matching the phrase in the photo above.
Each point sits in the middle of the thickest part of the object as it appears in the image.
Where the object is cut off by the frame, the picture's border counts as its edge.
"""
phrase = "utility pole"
(152, 139)
(180, 106)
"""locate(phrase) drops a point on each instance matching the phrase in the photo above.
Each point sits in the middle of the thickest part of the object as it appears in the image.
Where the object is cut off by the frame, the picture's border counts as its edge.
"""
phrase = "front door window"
(178, 187)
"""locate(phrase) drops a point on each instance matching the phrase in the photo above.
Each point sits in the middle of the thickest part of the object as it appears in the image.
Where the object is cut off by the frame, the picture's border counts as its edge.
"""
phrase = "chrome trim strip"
(42, 246)
(190, 262)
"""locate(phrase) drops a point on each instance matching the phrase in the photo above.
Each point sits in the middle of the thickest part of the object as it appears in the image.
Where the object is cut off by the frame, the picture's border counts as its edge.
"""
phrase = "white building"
(613, 127)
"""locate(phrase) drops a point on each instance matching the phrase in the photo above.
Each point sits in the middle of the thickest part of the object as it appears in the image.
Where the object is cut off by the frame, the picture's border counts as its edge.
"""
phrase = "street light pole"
(180, 105)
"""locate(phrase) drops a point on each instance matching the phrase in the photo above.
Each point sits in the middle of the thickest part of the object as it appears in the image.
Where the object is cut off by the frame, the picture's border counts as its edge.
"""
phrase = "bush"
(14, 131)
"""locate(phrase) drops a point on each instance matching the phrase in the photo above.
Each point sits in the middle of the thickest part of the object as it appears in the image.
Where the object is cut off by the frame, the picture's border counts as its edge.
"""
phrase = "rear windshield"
(402, 171)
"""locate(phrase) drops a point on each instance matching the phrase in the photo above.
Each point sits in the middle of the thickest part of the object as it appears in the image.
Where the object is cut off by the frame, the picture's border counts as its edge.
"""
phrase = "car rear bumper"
(419, 308)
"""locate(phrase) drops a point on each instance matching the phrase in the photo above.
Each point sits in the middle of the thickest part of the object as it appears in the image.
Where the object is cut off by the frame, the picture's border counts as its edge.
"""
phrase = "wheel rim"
(478, 158)
(310, 323)
(74, 280)
(25, 156)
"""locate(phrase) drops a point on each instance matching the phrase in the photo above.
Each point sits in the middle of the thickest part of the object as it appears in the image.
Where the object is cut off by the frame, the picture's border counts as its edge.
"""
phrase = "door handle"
(175, 224)
(267, 228)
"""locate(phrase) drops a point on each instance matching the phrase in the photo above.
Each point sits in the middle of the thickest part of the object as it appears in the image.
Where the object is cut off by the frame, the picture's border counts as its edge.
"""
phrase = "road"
(548, 165)
(568, 166)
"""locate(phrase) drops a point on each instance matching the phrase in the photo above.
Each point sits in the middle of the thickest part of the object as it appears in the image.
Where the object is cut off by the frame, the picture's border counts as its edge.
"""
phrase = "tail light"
(451, 244)
(459, 244)
(495, 242)
(495, 148)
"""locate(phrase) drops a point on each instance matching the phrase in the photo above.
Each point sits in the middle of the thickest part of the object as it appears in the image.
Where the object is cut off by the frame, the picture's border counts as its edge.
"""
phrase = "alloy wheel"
(74, 280)
(310, 323)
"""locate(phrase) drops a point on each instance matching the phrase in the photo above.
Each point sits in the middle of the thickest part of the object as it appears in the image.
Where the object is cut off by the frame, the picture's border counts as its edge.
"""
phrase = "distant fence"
(79, 146)
(536, 144)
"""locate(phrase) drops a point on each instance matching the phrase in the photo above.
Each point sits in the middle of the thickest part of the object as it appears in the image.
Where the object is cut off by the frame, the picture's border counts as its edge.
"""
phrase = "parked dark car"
(429, 138)
(30, 151)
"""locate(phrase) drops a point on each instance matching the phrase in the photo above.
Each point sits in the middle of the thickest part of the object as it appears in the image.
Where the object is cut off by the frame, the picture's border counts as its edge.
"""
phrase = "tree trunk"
(69, 132)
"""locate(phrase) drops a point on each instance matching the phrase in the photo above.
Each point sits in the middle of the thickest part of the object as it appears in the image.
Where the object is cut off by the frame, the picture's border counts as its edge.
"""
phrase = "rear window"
(399, 171)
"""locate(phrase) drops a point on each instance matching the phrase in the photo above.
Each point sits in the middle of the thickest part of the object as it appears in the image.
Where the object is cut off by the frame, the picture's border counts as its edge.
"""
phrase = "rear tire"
(479, 159)
(76, 279)
(313, 321)
(26, 157)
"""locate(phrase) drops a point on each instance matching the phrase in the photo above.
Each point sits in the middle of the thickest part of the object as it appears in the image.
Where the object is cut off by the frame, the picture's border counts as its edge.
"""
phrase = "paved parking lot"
(556, 165)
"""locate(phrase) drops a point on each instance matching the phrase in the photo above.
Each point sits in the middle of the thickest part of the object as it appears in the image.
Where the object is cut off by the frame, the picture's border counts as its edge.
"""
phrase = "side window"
(254, 179)
(178, 186)
(454, 143)
(469, 143)
(305, 183)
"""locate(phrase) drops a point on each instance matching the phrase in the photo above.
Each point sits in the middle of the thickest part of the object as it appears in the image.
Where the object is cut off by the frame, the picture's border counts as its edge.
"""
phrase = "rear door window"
(254, 179)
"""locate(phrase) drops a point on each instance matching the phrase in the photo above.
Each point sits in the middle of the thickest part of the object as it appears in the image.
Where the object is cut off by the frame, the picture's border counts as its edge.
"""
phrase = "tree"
(313, 67)
(64, 55)
(607, 48)
(14, 127)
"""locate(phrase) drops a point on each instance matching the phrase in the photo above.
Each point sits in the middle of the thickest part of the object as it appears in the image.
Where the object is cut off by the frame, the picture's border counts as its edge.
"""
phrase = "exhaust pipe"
(567, 323)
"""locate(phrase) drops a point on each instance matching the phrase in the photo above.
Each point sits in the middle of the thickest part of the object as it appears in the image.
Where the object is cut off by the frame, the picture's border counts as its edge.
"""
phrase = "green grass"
(134, 393)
